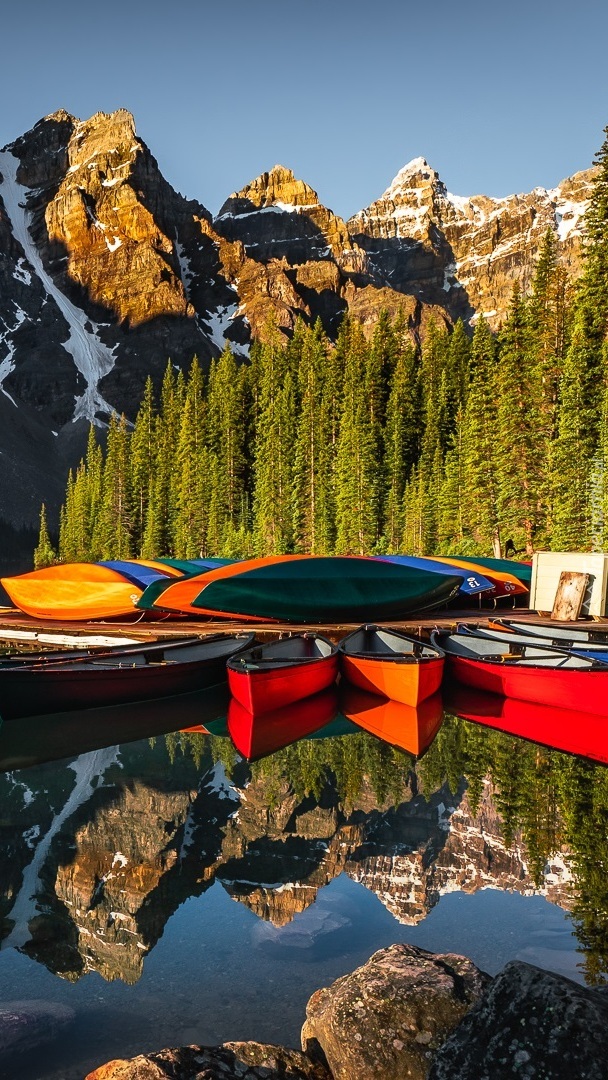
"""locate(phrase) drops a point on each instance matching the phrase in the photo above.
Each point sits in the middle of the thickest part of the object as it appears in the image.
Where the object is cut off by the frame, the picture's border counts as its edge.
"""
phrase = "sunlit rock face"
(467, 253)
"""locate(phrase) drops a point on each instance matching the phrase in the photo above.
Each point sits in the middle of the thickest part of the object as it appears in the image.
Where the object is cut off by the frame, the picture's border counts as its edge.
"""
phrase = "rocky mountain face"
(106, 273)
(113, 843)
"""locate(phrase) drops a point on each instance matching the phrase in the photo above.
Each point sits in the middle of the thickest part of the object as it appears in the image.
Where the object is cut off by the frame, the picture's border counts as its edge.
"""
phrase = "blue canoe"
(472, 582)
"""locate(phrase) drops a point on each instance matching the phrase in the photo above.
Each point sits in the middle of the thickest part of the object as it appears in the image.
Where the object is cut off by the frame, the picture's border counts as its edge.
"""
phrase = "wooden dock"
(16, 627)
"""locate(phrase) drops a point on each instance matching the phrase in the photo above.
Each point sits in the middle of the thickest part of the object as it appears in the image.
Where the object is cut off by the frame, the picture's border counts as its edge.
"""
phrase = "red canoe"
(526, 672)
(569, 730)
(400, 725)
(256, 735)
(398, 666)
(280, 672)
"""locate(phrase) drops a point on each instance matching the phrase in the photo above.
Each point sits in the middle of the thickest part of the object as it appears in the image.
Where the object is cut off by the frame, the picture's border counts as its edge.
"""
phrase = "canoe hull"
(566, 689)
(50, 689)
(408, 681)
(315, 588)
(264, 691)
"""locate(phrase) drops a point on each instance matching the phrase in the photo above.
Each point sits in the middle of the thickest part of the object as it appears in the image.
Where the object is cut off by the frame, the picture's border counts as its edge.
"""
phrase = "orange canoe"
(387, 662)
(73, 591)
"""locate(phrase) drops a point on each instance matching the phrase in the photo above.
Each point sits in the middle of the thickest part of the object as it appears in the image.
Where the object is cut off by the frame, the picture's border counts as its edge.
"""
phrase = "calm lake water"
(163, 890)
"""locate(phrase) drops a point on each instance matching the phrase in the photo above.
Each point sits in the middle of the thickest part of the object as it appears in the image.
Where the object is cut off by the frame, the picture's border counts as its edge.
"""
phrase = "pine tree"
(143, 453)
(477, 442)
(577, 464)
(547, 313)
(519, 468)
(452, 519)
(160, 512)
(575, 451)
(44, 553)
(358, 484)
(192, 473)
(226, 432)
(313, 462)
(112, 528)
(401, 443)
(273, 504)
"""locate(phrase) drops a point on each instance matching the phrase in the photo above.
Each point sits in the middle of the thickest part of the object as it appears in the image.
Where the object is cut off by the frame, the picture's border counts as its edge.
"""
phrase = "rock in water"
(26, 1025)
(245, 1060)
(385, 1020)
(531, 1024)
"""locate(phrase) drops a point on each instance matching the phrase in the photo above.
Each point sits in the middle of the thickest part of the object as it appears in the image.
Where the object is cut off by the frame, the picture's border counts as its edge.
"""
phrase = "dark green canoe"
(325, 589)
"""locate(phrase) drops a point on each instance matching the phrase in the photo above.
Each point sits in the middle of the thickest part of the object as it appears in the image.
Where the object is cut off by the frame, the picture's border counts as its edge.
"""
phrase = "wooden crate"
(547, 567)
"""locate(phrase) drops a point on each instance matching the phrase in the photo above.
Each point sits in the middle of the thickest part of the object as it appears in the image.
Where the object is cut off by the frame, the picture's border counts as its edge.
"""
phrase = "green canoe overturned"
(309, 588)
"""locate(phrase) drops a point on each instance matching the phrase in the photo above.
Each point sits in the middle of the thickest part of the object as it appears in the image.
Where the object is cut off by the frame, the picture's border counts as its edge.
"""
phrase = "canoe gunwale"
(413, 655)
(534, 643)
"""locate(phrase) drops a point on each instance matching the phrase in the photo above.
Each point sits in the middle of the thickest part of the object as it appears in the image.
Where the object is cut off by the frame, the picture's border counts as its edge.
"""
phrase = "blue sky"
(499, 98)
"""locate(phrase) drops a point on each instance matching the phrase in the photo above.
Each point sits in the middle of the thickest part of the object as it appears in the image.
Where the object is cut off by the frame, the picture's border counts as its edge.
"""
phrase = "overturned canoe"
(309, 588)
(141, 573)
(388, 662)
(472, 583)
(276, 673)
(73, 591)
(521, 570)
(504, 582)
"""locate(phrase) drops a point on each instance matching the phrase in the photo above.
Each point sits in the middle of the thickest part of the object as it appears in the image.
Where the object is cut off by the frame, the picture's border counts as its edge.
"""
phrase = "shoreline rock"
(387, 1018)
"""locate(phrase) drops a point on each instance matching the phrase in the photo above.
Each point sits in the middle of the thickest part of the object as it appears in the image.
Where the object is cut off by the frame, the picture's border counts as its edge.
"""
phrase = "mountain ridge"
(106, 272)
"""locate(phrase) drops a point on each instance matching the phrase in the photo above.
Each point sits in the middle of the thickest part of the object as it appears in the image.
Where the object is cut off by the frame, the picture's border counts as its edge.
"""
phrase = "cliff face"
(106, 272)
(466, 254)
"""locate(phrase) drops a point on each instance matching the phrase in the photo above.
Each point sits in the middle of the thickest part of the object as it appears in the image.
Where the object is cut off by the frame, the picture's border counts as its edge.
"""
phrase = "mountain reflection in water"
(123, 840)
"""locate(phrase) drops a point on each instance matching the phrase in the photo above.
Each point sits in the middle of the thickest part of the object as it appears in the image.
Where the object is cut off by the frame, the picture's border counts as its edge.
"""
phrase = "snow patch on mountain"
(92, 358)
(6, 338)
(89, 768)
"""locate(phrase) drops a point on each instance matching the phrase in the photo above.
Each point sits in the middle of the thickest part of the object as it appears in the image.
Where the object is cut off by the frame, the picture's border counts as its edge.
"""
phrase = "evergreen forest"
(370, 444)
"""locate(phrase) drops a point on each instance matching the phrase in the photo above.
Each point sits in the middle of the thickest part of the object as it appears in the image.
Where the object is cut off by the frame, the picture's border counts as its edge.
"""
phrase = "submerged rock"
(242, 1060)
(26, 1025)
(386, 1019)
(531, 1024)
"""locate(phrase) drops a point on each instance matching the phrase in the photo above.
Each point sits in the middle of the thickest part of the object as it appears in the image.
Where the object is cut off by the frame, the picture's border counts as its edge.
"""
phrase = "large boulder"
(240, 1060)
(532, 1024)
(386, 1019)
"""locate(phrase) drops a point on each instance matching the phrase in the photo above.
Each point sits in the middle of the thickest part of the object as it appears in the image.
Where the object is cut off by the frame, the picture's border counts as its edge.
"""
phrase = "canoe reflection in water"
(37, 739)
(408, 728)
(569, 730)
(256, 735)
